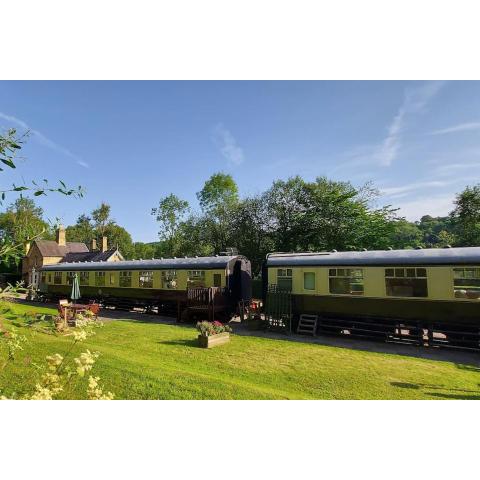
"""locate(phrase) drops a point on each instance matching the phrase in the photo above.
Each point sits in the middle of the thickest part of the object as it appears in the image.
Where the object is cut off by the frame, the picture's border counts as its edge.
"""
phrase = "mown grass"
(141, 360)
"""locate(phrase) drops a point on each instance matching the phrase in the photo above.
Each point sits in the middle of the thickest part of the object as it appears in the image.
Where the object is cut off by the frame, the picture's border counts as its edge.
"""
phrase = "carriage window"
(346, 281)
(466, 283)
(196, 278)
(406, 282)
(70, 277)
(112, 279)
(84, 278)
(100, 279)
(145, 280)
(169, 279)
(217, 280)
(57, 278)
(284, 279)
(309, 280)
(43, 277)
(49, 278)
(125, 279)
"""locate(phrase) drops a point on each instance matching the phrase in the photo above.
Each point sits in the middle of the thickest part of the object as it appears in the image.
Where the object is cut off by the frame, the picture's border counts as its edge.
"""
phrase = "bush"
(207, 329)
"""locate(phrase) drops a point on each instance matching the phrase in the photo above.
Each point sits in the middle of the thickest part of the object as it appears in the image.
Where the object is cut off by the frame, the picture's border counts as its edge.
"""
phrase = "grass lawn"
(156, 361)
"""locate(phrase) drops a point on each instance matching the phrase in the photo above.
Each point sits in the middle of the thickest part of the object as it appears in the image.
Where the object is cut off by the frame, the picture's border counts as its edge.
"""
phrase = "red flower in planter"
(217, 323)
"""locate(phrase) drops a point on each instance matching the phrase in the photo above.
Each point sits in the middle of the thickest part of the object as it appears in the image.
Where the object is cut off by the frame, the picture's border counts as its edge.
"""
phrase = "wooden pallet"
(307, 324)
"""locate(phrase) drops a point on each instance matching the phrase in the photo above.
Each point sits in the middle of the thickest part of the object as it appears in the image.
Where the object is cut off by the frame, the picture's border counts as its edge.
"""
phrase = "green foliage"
(207, 329)
(82, 231)
(466, 216)
(12, 243)
(101, 218)
(22, 221)
(169, 214)
(219, 190)
(100, 224)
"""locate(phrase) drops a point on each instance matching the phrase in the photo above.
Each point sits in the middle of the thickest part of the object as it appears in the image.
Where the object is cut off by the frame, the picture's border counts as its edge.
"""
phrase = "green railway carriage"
(149, 283)
(433, 289)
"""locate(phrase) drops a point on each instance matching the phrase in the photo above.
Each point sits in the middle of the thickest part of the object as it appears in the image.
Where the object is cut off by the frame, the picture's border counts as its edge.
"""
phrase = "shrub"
(212, 328)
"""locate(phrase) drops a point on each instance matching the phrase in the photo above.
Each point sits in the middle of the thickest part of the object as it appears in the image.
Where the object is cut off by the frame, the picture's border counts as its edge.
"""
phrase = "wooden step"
(307, 324)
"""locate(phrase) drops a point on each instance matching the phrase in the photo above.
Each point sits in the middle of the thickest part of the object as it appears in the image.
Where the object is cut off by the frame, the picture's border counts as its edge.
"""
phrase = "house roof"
(50, 248)
(90, 256)
(430, 256)
(203, 263)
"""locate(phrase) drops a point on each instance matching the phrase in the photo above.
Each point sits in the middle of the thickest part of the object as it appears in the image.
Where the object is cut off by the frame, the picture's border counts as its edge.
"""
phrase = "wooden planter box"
(214, 340)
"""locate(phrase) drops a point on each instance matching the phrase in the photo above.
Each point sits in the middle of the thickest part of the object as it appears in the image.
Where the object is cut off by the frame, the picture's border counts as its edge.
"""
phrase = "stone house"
(48, 252)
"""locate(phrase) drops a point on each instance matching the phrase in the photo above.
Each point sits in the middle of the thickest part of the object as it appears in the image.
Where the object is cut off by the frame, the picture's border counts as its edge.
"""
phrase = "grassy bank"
(141, 360)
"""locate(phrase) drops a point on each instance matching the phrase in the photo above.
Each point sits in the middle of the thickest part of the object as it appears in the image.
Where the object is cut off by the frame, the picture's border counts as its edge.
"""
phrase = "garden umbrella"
(75, 295)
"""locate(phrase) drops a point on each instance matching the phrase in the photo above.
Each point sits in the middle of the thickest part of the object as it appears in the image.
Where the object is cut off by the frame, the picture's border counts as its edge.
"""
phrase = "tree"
(406, 235)
(119, 237)
(217, 199)
(252, 230)
(101, 225)
(83, 231)
(10, 144)
(169, 214)
(326, 215)
(101, 218)
(219, 190)
(466, 216)
(22, 221)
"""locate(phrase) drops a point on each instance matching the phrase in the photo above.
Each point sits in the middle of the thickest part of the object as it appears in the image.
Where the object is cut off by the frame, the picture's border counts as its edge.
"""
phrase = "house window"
(406, 282)
(70, 277)
(466, 283)
(126, 279)
(57, 278)
(84, 278)
(309, 280)
(145, 280)
(196, 278)
(346, 281)
(169, 279)
(100, 279)
(217, 279)
(284, 279)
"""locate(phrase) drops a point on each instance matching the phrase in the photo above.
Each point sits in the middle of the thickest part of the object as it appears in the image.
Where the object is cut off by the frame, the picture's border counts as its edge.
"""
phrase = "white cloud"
(226, 143)
(452, 168)
(462, 127)
(395, 191)
(42, 139)
(434, 205)
(83, 164)
(415, 101)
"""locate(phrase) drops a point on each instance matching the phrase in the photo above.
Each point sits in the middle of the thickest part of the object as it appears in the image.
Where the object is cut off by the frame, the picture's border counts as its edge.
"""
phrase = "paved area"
(432, 353)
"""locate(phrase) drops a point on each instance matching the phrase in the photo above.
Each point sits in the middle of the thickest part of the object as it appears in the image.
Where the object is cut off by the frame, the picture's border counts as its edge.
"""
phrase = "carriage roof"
(430, 256)
(201, 263)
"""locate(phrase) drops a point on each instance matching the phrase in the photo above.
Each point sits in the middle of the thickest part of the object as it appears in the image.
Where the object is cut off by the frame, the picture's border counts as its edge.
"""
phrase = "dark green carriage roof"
(429, 256)
(202, 263)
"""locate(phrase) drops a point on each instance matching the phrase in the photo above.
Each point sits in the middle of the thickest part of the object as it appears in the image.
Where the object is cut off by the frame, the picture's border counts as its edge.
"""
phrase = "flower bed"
(213, 334)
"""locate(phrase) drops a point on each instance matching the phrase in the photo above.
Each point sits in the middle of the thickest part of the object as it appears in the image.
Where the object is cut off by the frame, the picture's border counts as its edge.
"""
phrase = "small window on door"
(309, 280)
(217, 280)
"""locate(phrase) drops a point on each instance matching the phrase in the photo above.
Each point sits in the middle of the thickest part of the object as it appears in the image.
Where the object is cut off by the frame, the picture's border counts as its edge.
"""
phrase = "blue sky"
(129, 143)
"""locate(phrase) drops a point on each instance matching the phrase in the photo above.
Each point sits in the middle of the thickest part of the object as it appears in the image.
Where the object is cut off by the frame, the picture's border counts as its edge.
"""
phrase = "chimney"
(104, 244)
(61, 236)
(93, 245)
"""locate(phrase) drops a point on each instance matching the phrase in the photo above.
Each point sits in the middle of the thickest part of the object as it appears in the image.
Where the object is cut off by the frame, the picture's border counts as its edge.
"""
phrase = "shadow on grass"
(183, 343)
(451, 396)
(462, 394)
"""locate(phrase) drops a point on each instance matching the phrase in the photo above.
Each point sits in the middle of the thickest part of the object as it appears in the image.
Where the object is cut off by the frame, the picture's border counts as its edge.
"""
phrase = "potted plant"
(212, 334)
